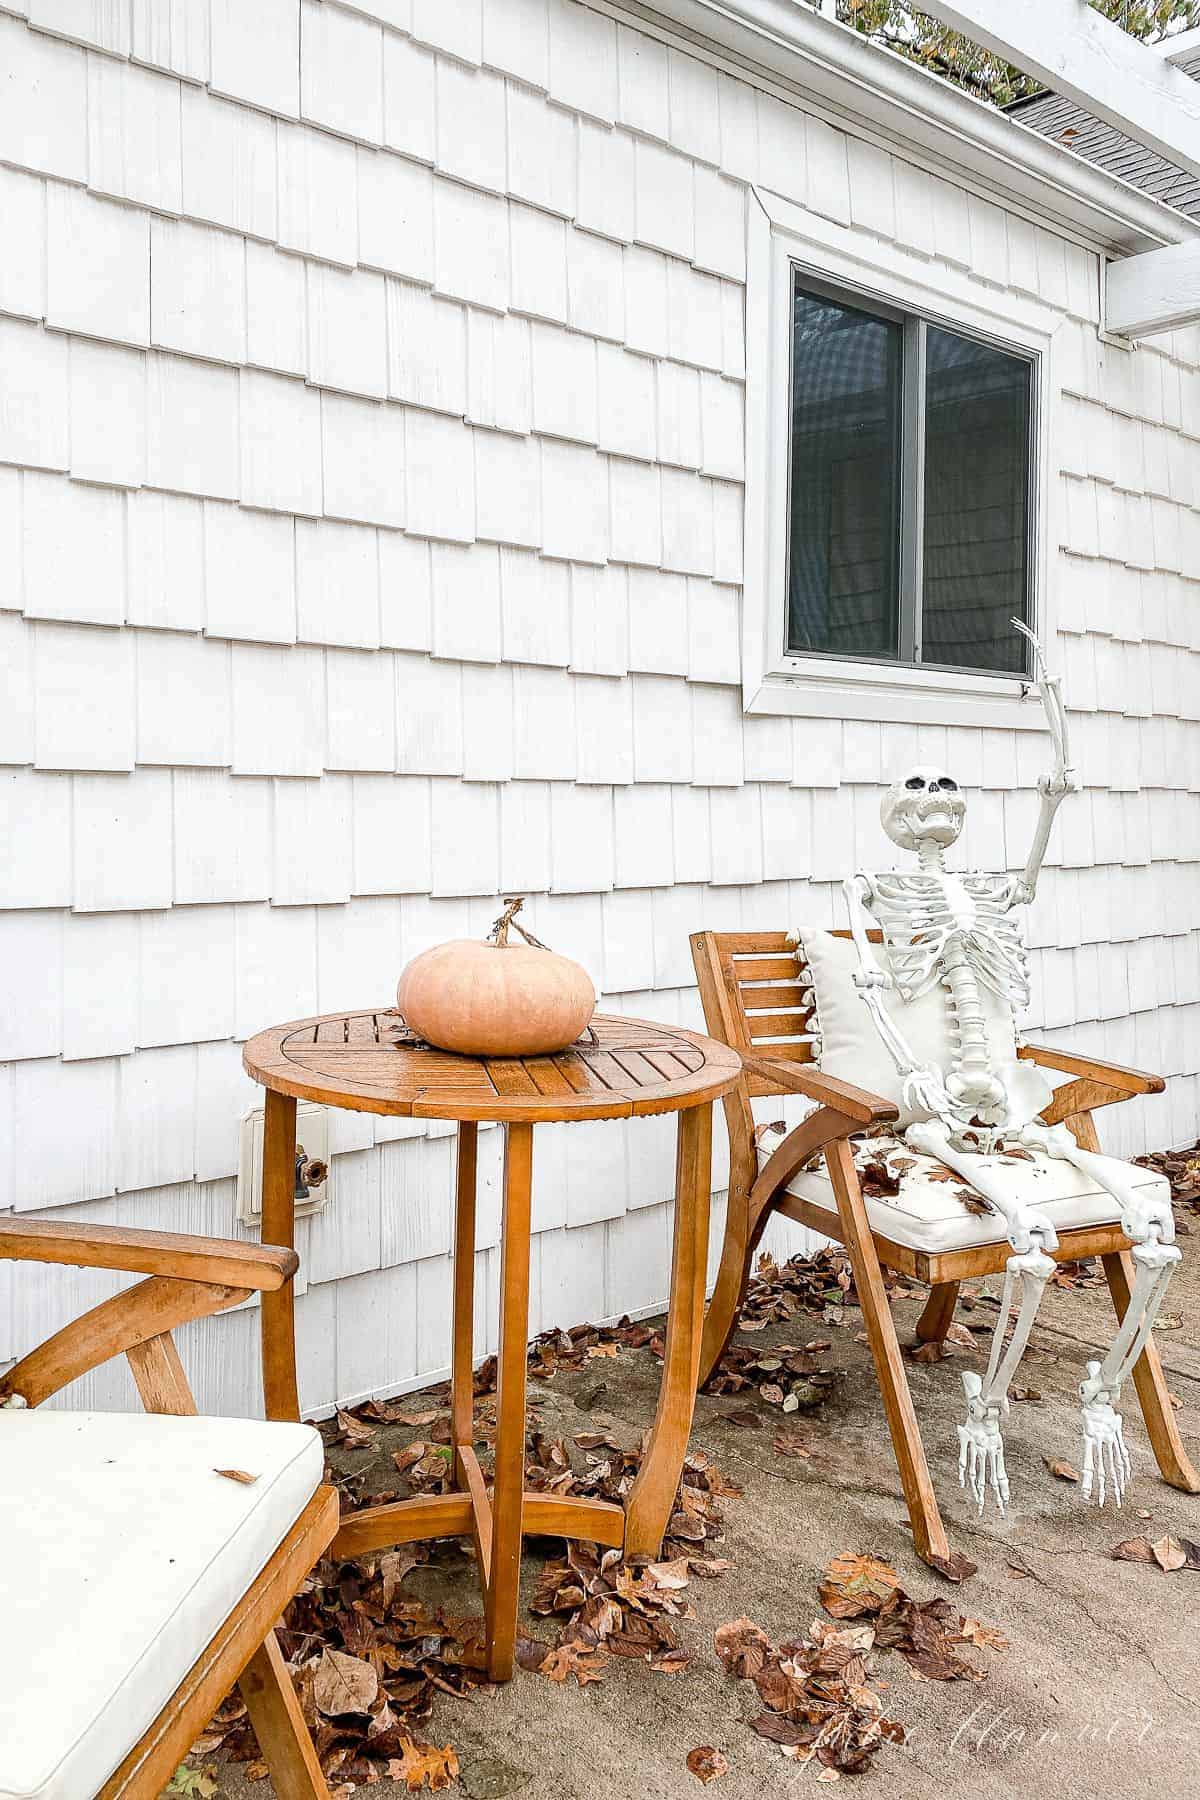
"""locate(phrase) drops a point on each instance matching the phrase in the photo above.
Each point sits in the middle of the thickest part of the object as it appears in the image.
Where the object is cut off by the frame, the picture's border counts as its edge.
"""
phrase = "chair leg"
(929, 1534)
(733, 1278)
(938, 1315)
(279, 1726)
(1175, 1466)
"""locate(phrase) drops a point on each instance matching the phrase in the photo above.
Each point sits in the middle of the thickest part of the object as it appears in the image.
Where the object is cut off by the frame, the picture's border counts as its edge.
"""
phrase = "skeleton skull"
(924, 805)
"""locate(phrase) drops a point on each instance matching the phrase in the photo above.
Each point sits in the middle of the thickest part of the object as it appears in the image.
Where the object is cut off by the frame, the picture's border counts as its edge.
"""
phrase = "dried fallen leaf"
(670, 1575)
(1169, 1554)
(237, 1475)
(790, 1443)
(855, 1585)
(197, 1784)
(978, 1631)
(1060, 1467)
(421, 1763)
(344, 1684)
(1135, 1549)
(956, 1567)
(706, 1764)
(742, 1646)
(356, 1432)
(583, 1661)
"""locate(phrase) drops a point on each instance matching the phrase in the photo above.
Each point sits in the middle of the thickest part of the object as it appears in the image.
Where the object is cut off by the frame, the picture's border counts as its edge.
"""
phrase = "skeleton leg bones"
(1032, 1234)
(1151, 1225)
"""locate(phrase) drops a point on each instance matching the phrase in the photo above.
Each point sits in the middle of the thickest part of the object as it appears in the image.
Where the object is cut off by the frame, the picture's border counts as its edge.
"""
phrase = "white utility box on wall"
(314, 1179)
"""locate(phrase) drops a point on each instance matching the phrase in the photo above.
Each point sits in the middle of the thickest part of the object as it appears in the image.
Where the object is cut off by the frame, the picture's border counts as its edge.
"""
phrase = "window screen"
(909, 513)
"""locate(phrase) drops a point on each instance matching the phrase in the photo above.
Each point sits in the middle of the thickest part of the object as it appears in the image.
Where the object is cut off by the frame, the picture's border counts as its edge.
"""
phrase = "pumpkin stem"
(499, 933)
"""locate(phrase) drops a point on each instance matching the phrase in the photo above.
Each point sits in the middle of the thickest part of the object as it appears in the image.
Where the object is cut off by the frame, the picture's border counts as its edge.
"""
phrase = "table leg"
(280, 1391)
(462, 1378)
(648, 1509)
(508, 1489)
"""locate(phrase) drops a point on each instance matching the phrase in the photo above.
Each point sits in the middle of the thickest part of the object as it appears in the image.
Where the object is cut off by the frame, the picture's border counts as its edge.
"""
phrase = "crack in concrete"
(1107, 1627)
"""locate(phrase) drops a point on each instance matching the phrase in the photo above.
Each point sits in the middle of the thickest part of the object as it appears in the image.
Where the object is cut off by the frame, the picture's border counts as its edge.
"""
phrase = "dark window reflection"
(977, 404)
(845, 480)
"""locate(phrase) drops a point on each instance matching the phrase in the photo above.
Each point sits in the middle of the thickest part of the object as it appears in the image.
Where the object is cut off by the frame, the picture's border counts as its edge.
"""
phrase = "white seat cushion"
(927, 1213)
(123, 1552)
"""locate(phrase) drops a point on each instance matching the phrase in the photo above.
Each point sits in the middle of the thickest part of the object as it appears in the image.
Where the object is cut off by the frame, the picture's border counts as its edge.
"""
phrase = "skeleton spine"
(972, 1052)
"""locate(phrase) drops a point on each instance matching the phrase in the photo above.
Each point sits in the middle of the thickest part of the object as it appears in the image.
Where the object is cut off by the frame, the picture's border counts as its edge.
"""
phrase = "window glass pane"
(977, 402)
(845, 480)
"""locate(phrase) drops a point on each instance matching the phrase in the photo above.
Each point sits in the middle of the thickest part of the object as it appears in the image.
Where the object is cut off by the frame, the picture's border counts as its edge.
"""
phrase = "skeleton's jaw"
(929, 819)
(942, 825)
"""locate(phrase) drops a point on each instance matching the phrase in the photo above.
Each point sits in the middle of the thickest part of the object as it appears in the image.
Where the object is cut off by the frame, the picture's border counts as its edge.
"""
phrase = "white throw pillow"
(851, 1047)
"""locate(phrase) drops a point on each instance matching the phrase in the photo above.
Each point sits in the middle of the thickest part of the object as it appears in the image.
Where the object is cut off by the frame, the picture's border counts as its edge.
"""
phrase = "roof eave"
(877, 94)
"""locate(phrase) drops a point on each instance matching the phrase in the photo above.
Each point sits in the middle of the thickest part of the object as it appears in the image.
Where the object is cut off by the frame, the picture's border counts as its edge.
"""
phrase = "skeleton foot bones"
(981, 1446)
(1105, 1452)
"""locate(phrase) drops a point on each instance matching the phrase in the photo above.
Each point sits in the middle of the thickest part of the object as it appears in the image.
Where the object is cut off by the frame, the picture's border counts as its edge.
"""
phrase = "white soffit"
(790, 48)
(1075, 51)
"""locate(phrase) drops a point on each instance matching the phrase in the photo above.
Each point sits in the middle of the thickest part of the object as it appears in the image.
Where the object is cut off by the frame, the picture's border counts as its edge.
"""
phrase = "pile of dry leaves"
(613, 1607)
(819, 1285)
(1182, 1170)
(820, 1694)
(369, 1659)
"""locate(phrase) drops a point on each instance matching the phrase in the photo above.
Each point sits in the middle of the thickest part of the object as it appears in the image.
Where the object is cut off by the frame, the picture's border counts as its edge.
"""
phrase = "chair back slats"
(758, 996)
(792, 997)
(765, 1026)
(755, 943)
(762, 968)
(764, 1001)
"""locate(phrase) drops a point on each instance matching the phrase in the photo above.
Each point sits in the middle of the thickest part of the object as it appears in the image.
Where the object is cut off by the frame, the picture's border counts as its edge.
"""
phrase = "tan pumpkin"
(496, 998)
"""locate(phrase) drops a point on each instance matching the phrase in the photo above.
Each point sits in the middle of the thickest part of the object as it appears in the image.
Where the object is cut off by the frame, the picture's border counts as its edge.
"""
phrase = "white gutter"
(875, 94)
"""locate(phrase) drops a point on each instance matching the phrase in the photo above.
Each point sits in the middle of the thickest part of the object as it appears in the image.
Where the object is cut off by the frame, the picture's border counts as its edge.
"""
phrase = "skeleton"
(961, 932)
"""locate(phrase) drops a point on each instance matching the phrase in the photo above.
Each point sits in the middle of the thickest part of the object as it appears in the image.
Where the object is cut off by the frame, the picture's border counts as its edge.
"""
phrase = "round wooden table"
(619, 1069)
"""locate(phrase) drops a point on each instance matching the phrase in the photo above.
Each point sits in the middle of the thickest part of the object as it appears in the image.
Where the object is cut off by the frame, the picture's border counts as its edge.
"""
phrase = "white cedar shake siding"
(371, 401)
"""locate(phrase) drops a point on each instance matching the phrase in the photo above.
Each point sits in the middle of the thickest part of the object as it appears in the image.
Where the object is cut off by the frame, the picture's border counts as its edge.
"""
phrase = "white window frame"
(782, 239)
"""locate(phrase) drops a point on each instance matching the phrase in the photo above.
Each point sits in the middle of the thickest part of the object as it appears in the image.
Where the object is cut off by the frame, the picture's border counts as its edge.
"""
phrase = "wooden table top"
(369, 1062)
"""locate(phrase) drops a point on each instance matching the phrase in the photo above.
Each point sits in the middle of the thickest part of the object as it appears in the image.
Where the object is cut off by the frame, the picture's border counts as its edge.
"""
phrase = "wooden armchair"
(146, 1559)
(756, 998)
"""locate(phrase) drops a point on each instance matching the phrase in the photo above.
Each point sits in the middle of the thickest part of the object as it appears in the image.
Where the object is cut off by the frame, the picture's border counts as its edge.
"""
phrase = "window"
(909, 517)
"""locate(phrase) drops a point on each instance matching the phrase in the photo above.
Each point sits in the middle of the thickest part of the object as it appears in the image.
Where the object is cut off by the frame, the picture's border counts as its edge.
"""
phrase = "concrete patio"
(1099, 1692)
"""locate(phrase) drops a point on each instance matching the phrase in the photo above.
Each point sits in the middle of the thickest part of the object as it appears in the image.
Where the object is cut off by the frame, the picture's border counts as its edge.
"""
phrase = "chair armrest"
(1089, 1068)
(220, 1261)
(855, 1103)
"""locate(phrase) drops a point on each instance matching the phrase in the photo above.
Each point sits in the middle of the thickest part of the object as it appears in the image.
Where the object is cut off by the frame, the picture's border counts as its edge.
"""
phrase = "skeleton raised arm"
(1060, 781)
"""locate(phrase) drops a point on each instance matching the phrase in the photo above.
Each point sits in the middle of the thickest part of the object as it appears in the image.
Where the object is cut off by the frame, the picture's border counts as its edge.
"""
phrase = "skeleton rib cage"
(921, 930)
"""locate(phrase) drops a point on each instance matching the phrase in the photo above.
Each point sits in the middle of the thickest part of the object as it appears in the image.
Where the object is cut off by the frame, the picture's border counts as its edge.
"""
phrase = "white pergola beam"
(1078, 53)
(1158, 290)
